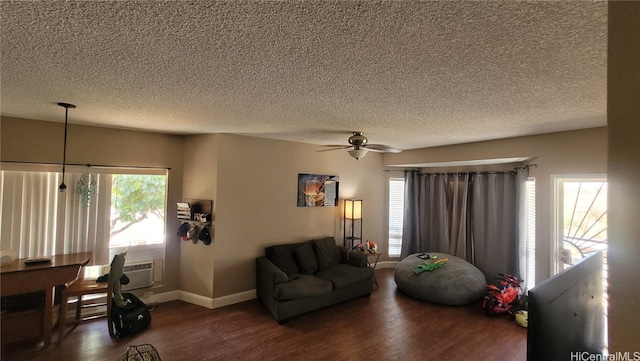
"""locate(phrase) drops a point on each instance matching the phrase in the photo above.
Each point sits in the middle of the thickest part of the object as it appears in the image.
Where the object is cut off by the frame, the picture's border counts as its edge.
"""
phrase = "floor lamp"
(352, 215)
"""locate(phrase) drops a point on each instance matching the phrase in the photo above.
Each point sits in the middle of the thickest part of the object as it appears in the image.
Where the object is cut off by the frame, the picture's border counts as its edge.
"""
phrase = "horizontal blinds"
(396, 214)
(530, 188)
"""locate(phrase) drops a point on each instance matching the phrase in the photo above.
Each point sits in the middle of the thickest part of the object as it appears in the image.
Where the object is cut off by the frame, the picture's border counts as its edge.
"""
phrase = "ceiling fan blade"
(358, 142)
(373, 150)
(334, 147)
(381, 148)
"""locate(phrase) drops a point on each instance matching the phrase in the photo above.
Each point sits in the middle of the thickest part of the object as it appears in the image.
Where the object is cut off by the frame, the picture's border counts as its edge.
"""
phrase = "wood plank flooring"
(386, 326)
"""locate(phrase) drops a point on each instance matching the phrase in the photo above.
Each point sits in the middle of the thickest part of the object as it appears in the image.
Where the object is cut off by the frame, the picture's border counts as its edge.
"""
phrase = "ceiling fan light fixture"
(358, 139)
(360, 146)
(357, 153)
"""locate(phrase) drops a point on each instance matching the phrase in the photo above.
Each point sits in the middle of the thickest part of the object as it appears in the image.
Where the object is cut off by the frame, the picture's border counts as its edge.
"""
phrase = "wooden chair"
(82, 287)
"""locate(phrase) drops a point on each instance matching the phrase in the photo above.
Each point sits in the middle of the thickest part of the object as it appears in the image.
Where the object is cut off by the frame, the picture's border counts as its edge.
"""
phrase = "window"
(138, 203)
(581, 223)
(530, 232)
(581, 218)
(125, 208)
(396, 214)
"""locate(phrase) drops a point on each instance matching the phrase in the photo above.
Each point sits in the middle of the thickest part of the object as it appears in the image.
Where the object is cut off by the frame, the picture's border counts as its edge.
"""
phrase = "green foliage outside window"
(135, 197)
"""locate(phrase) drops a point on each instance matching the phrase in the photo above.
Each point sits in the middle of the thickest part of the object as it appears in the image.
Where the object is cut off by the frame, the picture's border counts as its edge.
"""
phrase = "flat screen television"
(567, 313)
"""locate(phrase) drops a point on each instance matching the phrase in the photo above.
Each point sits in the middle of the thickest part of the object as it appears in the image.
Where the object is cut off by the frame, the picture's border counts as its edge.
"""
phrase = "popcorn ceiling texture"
(408, 74)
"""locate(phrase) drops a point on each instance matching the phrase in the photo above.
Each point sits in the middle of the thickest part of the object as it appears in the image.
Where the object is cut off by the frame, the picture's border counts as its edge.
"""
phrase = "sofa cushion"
(344, 275)
(302, 286)
(327, 252)
(306, 258)
(282, 256)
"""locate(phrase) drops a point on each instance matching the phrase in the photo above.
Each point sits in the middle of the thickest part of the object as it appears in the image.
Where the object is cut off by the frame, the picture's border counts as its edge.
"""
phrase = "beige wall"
(256, 203)
(37, 141)
(253, 183)
(200, 181)
(574, 152)
(623, 95)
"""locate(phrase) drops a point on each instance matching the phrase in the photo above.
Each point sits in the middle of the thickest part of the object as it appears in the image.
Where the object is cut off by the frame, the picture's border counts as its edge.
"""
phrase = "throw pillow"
(282, 256)
(306, 259)
(327, 252)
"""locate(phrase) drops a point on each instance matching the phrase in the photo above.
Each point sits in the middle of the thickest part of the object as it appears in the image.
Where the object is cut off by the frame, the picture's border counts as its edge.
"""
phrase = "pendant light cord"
(64, 152)
(63, 187)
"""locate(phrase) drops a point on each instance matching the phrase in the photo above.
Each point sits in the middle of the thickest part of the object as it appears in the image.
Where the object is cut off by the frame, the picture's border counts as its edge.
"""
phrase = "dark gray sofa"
(295, 278)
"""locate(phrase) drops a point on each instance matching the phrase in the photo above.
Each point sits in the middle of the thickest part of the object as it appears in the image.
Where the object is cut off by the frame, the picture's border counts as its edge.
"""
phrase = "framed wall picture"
(317, 190)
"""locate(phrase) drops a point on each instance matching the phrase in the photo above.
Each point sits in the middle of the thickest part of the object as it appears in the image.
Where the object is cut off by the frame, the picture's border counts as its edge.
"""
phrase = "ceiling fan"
(360, 146)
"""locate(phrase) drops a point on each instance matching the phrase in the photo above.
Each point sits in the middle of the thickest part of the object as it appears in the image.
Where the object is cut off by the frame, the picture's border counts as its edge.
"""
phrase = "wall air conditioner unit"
(140, 275)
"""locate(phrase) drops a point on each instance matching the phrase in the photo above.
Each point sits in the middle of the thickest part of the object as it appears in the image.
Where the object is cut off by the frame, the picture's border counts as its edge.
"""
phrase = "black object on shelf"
(195, 216)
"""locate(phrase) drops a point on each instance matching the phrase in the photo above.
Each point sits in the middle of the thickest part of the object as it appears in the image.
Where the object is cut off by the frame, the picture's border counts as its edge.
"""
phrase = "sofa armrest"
(354, 258)
(268, 275)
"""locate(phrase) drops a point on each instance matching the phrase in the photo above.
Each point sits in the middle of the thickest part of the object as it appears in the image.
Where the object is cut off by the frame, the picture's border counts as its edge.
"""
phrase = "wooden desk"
(17, 278)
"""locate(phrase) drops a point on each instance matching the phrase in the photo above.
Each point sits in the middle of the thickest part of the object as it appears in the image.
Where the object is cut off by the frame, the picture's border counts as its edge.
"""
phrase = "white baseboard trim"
(196, 299)
(234, 298)
(387, 264)
(200, 300)
(222, 301)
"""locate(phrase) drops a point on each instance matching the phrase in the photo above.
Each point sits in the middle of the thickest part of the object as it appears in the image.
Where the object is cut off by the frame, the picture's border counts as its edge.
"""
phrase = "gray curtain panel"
(458, 212)
(493, 223)
(426, 220)
(411, 219)
(469, 215)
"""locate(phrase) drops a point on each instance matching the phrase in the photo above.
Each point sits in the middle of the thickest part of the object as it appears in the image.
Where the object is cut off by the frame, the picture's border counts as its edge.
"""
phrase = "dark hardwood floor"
(386, 326)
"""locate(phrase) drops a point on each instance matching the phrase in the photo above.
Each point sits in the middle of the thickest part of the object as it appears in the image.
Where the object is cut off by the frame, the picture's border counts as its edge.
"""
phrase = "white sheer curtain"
(38, 220)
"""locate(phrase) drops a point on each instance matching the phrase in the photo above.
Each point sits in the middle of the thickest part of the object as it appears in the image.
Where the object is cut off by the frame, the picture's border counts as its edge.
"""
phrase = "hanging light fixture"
(63, 187)
(357, 153)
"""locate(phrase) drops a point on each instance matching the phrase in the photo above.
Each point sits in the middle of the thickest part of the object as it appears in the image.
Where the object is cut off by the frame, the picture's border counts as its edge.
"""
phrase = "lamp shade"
(353, 208)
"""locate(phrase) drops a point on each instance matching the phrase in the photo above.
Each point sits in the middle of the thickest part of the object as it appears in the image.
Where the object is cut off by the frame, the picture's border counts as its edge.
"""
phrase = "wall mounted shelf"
(198, 214)
(196, 206)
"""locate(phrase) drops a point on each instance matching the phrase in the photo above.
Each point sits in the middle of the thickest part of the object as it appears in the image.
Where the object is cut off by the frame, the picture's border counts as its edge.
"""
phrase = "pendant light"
(63, 187)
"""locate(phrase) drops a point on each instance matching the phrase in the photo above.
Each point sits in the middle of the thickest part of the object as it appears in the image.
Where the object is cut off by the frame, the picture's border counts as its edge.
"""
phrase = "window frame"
(557, 227)
(166, 201)
(397, 247)
(101, 249)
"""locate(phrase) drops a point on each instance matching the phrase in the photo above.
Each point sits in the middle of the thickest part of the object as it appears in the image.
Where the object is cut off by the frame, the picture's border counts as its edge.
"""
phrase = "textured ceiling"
(407, 74)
